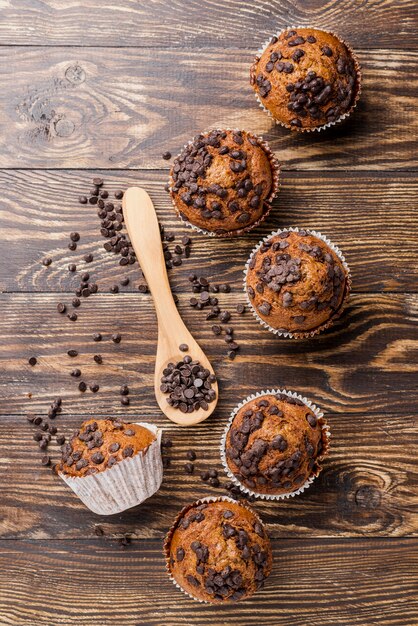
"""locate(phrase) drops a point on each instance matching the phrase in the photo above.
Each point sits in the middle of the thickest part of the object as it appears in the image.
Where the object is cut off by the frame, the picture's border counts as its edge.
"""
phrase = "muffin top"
(222, 180)
(296, 282)
(99, 444)
(219, 551)
(306, 78)
(274, 444)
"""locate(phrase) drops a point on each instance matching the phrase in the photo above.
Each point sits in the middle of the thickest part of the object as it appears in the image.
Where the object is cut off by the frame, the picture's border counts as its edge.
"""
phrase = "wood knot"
(368, 497)
(64, 127)
(75, 74)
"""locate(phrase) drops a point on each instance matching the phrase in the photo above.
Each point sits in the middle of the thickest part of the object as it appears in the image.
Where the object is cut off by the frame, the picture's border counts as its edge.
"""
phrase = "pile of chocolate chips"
(188, 385)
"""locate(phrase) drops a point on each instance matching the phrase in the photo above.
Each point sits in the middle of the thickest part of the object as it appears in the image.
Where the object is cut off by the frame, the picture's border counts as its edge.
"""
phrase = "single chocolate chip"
(189, 468)
(94, 388)
(124, 390)
(82, 199)
(125, 401)
(97, 458)
(116, 337)
(72, 353)
(183, 347)
(32, 360)
(97, 337)
(61, 308)
(98, 358)
(82, 386)
(128, 451)
(191, 455)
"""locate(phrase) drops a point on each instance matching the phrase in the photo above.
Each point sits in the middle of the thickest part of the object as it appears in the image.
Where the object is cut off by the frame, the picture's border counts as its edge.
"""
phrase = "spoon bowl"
(142, 225)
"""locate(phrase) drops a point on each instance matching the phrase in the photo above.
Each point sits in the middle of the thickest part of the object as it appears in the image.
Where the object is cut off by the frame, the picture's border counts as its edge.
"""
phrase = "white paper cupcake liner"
(326, 438)
(167, 541)
(128, 483)
(336, 314)
(328, 124)
(275, 168)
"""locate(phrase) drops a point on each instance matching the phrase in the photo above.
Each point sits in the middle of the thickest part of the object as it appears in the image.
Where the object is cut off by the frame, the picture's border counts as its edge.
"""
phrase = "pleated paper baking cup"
(326, 435)
(328, 124)
(311, 333)
(128, 483)
(275, 170)
(184, 510)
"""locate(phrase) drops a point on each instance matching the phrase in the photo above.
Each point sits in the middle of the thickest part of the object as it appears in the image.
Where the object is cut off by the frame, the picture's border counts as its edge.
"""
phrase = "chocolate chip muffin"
(218, 551)
(112, 466)
(306, 78)
(224, 181)
(100, 444)
(297, 283)
(274, 444)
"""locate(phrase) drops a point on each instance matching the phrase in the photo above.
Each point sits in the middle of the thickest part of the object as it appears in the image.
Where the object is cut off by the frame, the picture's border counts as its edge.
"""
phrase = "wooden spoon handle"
(144, 232)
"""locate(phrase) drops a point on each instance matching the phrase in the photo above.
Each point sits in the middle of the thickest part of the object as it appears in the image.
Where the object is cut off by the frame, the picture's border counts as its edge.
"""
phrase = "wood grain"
(90, 84)
(371, 216)
(87, 107)
(367, 362)
(325, 583)
(368, 486)
(199, 23)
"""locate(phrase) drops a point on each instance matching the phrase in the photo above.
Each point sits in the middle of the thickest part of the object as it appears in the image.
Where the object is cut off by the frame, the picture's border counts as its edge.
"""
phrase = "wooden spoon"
(143, 230)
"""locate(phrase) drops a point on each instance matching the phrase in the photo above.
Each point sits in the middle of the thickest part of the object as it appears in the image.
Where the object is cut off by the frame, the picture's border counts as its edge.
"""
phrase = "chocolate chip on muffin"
(306, 78)
(274, 444)
(223, 182)
(296, 283)
(218, 551)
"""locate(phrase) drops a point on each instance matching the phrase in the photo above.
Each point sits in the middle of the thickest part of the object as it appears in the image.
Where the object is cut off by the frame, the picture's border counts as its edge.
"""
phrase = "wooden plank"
(322, 582)
(368, 487)
(200, 23)
(367, 362)
(124, 107)
(366, 214)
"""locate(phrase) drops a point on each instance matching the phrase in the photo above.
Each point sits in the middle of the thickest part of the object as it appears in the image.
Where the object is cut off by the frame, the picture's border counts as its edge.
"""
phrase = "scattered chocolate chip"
(61, 308)
(116, 337)
(94, 388)
(98, 358)
(183, 347)
(189, 468)
(72, 353)
(82, 386)
(191, 455)
(97, 337)
(32, 360)
(166, 156)
(124, 390)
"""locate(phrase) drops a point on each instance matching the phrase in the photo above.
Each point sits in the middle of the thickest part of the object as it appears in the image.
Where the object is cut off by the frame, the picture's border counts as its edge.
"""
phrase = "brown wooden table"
(104, 88)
